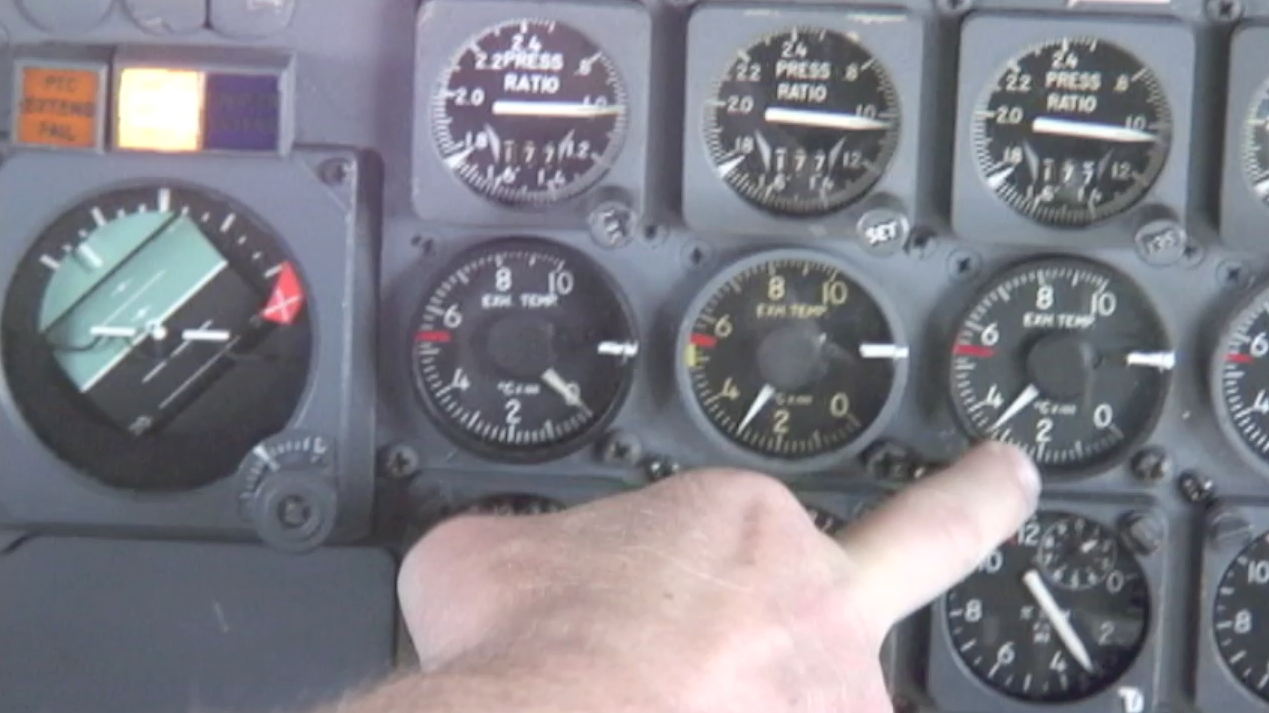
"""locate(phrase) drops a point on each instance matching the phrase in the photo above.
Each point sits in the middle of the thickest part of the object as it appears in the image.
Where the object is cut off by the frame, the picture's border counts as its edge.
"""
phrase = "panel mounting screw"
(1224, 10)
(612, 223)
(400, 462)
(1232, 274)
(621, 448)
(660, 468)
(1143, 532)
(883, 231)
(1152, 465)
(1196, 488)
(335, 171)
(889, 461)
(963, 265)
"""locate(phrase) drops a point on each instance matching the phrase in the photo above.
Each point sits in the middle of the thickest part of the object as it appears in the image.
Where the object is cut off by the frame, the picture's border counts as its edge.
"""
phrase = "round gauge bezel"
(1122, 453)
(1211, 617)
(1216, 364)
(980, 140)
(533, 201)
(22, 281)
(823, 461)
(795, 209)
(1248, 148)
(493, 452)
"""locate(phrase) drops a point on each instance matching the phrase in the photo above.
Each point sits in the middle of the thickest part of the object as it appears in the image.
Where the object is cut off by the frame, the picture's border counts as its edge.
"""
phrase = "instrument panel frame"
(1168, 48)
(441, 197)
(896, 39)
(327, 240)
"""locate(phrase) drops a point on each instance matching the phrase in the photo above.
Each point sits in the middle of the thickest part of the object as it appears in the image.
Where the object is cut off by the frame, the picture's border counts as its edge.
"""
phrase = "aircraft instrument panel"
(283, 283)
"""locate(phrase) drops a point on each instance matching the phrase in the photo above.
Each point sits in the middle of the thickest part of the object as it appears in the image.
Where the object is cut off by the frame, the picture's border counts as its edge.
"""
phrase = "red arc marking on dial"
(1238, 358)
(438, 336)
(287, 301)
(704, 340)
(971, 350)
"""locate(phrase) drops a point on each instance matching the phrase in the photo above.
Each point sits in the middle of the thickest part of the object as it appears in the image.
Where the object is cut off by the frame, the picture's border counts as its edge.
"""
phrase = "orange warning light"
(58, 107)
(159, 110)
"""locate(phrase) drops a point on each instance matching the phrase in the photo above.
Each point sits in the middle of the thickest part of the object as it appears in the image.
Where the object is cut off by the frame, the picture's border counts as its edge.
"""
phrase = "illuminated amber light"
(160, 110)
(58, 107)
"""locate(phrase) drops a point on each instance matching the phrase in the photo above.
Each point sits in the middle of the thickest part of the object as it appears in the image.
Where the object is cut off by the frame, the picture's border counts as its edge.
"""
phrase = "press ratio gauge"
(788, 356)
(1065, 359)
(803, 122)
(523, 349)
(1072, 131)
(530, 112)
(1057, 614)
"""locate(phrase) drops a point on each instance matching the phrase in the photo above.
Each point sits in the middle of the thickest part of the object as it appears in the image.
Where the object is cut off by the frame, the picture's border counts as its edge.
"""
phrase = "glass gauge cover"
(1239, 615)
(803, 122)
(1255, 145)
(523, 350)
(154, 335)
(1240, 380)
(530, 112)
(789, 357)
(1072, 132)
(1019, 626)
(1063, 358)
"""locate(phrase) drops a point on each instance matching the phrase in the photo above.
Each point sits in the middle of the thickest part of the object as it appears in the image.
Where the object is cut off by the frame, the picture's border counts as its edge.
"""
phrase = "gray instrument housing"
(363, 75)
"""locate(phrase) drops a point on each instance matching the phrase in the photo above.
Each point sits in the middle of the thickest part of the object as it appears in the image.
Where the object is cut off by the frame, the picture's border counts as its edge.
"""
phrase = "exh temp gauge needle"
(760, 402)
(823, 119)
(1025, 399)
(1090, 130)
(1163, 361)
(1070, 639)
(558, 110)
(567, 391)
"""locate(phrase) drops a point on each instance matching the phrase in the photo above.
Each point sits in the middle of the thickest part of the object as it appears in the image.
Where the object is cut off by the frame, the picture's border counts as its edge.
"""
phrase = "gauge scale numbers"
(1074, 131)
(803, 123)
(523, 349)
(788, 357)
(1058, 614)
(1063, 358)
(1240, 612)
(530, 112)
(154, 335)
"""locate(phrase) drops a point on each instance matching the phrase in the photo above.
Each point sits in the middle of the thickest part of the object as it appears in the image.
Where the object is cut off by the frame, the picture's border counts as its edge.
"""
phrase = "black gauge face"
(1065, 359)
(530, 112)
(1074, 131)
(512, 504)
(523, 349)
(1241, 379)
(789, 357)
(1240, 613)
(1075, 555)
(825, 521)
(1256, 145)
(289, 452)
(154, 335)
(1033, 638)
(803, 122)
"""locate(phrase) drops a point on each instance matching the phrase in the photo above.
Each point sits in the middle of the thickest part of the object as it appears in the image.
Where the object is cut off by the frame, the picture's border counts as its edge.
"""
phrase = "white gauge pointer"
(1071, 640)
(1163, 361)
(893, 352)
(822, 119)
(760, 402)
(555, 110)
(1090, 130)
(1028, 395)
(552, 378)
(104, 332)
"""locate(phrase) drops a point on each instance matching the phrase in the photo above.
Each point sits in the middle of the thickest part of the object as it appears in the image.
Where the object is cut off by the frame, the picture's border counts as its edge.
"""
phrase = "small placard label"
(58, 107)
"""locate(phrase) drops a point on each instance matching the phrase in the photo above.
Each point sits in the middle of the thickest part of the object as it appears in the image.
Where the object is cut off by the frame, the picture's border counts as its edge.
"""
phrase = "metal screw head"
(400, 462)
(612, 223)
(294, 512)
(660, 468)
(963, 265)
(889, 461)
(335, 171)
(1224, 10)
(1143, 532)
(1196, 488)
(1226, 526)
(883, 231)
(1232, 275)
(1162, 242)
(621, 448)
(1152, 465)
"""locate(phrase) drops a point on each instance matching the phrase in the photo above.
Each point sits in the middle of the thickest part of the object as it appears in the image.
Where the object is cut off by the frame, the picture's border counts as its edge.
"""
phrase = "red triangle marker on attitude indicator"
(287, 300)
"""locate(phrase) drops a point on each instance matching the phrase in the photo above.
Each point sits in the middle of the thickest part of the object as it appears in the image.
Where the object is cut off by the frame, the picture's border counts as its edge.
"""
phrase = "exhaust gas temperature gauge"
(530, 112)
(788, 356)
(1240, 380)
(1073, 131)
(523, 350)
(1065, 359)
(154, 335)
(804, 122)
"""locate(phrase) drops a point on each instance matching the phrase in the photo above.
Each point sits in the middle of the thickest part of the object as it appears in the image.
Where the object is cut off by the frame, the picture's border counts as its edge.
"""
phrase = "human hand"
(711, 591)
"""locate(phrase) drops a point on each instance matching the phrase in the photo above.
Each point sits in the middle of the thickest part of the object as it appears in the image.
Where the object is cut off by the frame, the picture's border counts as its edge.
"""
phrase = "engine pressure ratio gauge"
(1240, 380)
(1063, 358)
(788, 356)
(1072, 132)
(154, 335)
(1058, 614)
(530, 112)
(524, 348)
(803, 122)
(1240, 612)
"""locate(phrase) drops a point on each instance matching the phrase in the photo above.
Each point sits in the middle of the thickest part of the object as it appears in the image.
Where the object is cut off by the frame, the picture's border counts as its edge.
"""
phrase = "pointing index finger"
(933, 534)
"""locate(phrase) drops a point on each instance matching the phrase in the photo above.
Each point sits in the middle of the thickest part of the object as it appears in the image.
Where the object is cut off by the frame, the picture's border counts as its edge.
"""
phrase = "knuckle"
(955, 525)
